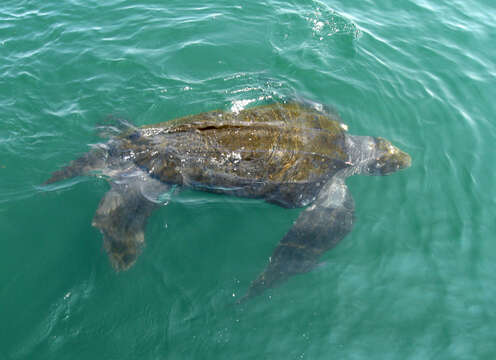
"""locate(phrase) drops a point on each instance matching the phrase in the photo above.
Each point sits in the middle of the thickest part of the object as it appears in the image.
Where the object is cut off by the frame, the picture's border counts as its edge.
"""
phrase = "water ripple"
(420, 260)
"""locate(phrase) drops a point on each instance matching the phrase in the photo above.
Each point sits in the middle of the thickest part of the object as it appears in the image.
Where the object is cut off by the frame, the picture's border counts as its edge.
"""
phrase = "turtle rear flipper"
(90, 161)
(121, 217)
(319, 228)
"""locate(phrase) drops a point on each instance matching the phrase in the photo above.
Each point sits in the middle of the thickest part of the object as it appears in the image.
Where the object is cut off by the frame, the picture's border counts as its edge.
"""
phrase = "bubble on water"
(327, 22)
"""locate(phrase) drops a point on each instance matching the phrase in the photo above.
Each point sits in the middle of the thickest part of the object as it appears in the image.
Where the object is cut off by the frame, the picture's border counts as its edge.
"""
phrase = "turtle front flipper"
(318, 228)
(121, 217)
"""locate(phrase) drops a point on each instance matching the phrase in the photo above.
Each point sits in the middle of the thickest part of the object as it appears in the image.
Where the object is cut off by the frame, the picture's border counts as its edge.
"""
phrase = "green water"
(414, 279)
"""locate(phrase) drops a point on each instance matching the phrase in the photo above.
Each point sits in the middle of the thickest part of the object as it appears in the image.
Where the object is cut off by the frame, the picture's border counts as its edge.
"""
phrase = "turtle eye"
(374, 168)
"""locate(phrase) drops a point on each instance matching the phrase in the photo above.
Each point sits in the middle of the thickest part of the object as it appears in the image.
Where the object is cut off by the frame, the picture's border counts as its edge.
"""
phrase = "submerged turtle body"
(289, 154)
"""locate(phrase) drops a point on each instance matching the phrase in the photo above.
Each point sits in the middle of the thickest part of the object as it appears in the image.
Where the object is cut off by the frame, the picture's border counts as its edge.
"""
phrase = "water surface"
(415, 278)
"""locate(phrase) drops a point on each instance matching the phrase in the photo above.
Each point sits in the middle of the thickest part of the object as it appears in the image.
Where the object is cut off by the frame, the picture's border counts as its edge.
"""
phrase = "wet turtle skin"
(289, 154)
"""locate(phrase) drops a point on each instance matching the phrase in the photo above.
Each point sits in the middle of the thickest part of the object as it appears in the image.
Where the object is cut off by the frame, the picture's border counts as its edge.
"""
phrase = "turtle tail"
(90, 161)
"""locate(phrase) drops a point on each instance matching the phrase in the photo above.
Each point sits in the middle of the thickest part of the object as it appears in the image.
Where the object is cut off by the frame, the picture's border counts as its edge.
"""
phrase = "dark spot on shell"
(134, 136)
(211, 127)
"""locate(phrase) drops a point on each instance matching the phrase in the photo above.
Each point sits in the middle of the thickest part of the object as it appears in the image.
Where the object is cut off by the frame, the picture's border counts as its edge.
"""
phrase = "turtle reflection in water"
(292, 155)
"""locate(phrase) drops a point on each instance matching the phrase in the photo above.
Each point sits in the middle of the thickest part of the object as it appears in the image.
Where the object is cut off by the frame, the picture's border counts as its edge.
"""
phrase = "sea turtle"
(291, 154)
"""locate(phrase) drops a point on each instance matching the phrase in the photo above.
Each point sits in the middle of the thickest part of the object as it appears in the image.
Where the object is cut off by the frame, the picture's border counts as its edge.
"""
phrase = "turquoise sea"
(415, 279)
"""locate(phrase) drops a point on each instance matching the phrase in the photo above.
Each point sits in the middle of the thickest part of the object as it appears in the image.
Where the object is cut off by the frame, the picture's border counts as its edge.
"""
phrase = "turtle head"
(387, 158)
